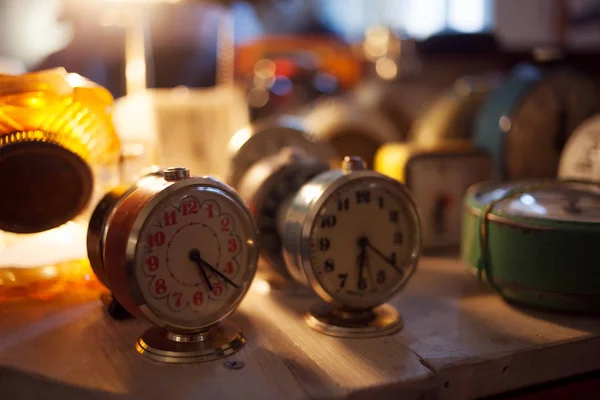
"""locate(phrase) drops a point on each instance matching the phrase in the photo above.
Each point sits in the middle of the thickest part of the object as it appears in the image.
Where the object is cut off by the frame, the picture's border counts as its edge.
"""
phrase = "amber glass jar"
(58, 152)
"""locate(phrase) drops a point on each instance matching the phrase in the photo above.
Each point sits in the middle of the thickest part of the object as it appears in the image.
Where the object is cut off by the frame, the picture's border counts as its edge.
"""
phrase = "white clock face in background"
(193, 257)
(364, 242)
(438, 184)
(581, 157)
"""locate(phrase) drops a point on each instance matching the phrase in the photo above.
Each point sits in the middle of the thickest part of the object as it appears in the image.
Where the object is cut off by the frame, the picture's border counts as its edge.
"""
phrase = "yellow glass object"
(58, 152)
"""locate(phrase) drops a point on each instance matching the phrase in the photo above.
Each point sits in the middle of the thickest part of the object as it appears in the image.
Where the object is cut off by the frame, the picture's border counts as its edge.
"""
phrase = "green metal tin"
(536, 243)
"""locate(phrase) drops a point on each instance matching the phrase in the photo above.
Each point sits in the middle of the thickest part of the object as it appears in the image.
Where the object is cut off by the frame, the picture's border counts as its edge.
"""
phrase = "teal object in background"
(536, 243)
(525, 123)
(490, 133)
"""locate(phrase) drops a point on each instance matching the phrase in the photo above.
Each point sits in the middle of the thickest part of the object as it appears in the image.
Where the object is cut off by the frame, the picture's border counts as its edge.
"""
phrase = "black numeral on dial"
(329, 265)
(394, 216)
(362, 284)
(324, 244)
(343, 204)
(343, 278)
(328, 221)
(363, 196)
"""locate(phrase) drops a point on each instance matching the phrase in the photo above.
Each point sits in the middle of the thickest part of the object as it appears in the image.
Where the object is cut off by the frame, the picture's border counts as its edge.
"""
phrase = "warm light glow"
(386, 68)
(135, 71)
(239, 139)
(311, 191)
(261, 286)
(141, 1)
(49, 272)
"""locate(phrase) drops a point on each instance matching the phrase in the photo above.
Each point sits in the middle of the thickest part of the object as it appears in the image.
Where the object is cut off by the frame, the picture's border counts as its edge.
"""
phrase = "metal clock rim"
(340, 179)
(472, 206)
(131, 248)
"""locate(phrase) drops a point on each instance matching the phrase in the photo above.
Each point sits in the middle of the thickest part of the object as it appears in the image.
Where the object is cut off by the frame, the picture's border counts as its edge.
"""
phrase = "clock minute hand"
(387, 260)
(194, 255)
(216, 271)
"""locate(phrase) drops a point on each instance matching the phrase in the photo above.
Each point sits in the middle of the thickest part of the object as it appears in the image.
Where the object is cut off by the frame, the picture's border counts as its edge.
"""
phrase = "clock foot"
(219, 341)
(379, 321)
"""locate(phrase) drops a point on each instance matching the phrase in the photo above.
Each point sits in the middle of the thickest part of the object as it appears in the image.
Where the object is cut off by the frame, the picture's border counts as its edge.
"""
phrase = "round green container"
(536, 243)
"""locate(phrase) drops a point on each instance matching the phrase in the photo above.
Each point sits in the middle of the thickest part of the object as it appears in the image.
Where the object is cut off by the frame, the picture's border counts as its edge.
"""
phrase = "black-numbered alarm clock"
(179, 252)
(437, 178)
(351, 235)
(525, 123)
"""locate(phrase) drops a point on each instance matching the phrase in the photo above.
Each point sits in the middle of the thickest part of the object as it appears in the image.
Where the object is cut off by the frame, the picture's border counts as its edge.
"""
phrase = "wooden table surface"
(459, 341)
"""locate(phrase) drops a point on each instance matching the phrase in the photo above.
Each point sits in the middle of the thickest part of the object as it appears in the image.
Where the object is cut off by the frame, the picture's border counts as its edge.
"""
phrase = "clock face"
(581, 157)
(364, 242)
(438, 183)
(194, 257)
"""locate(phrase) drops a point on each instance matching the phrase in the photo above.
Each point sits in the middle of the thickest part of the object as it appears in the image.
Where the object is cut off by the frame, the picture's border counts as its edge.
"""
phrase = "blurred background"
(84, 36)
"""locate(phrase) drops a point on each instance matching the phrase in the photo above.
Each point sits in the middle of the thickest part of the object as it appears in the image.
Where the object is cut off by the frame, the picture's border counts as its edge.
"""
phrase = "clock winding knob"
(176, 174)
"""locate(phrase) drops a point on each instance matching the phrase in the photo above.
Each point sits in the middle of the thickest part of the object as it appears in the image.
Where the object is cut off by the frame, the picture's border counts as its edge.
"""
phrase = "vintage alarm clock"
(350, 234)
(536, 242)
(525, 123)
(581, 157)
(179, 252)
(438, 178)
(452, 115)
(268, 137)
(350, 128)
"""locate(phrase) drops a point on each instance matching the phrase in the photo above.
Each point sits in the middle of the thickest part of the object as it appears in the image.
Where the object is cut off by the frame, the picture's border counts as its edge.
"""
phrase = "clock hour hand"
(380, 254)
(194, 255)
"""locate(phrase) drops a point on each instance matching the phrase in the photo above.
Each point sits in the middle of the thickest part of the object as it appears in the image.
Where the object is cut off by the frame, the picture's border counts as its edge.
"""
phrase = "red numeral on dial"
(211, 212)
(157, 239)
(217, 289)
(170, 218)
(228, 268)
(225, 224)
(152, 263)
(198, 299)
(189, 207)
(232, 245)
(160, 286)
(177, 296)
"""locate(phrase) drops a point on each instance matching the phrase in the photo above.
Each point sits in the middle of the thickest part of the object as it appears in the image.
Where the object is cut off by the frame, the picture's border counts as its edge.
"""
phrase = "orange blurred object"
(334, 57)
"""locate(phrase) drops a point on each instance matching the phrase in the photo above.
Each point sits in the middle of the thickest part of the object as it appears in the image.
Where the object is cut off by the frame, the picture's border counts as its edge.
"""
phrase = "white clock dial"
(364, 242)
(193, 257)
(581, 157)
(438, 184)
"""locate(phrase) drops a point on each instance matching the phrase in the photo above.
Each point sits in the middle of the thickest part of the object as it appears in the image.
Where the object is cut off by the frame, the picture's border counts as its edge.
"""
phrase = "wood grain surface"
(460, 341)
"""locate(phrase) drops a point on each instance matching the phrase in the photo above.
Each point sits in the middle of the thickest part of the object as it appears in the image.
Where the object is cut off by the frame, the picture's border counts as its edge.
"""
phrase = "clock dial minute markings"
(196, 254)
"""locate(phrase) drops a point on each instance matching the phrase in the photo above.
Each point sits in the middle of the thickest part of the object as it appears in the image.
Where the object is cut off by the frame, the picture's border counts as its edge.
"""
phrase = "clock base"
(380, 321)
(219, 341)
